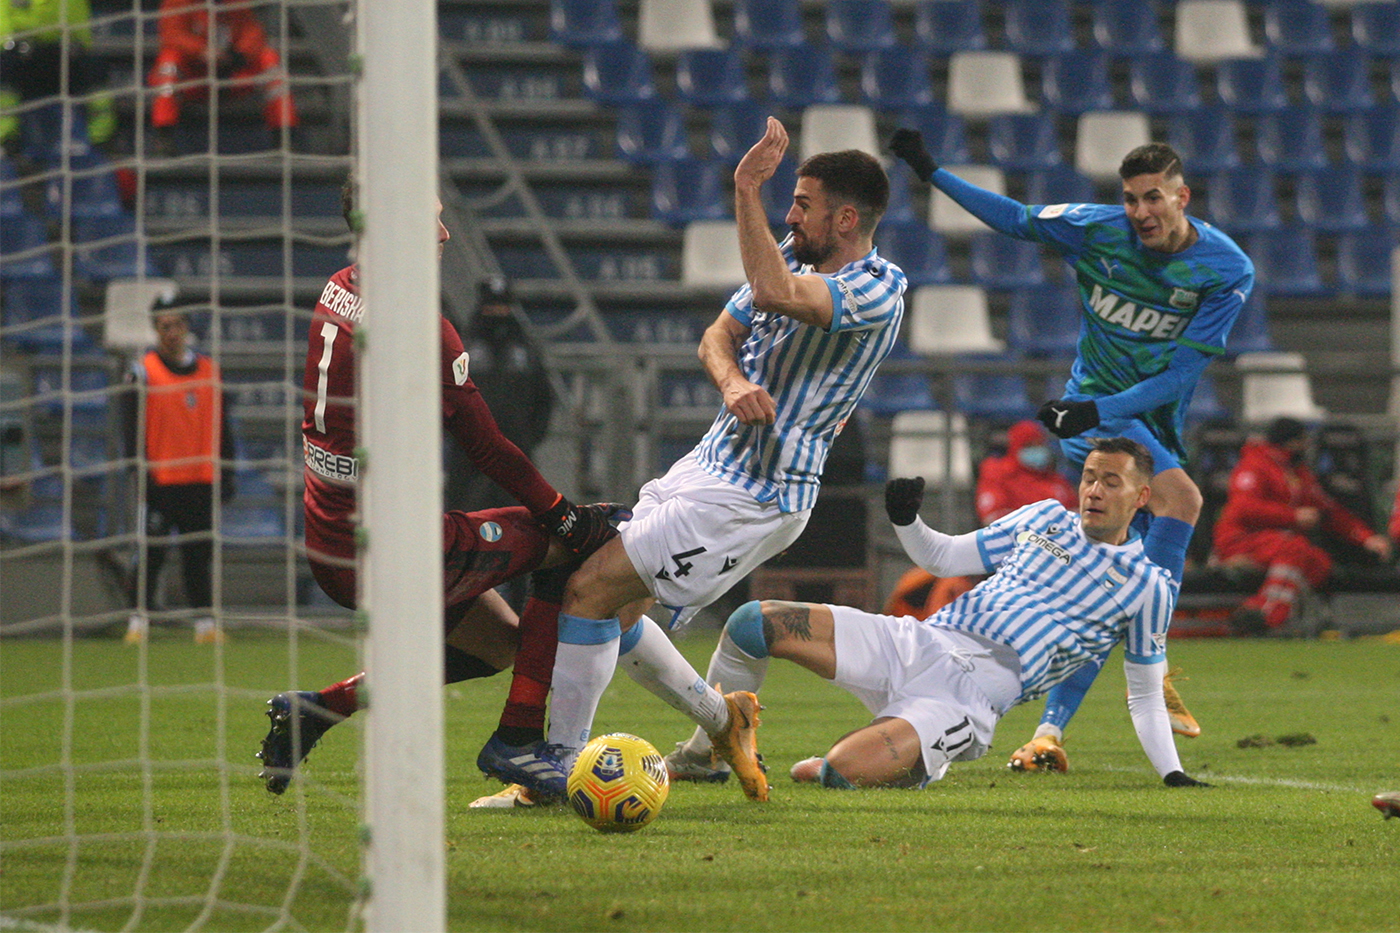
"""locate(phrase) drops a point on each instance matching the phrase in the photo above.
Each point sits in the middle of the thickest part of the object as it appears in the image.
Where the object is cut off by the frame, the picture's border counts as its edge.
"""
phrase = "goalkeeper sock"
(522, 720)
(343, 698)
(583, 666)
(655, 663)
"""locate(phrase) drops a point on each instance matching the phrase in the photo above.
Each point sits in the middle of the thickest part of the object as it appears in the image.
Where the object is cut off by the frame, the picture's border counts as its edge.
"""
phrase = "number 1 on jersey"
(328, 334)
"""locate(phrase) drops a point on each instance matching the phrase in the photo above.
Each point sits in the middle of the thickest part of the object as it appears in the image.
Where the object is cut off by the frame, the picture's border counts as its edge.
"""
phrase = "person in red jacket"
(1395, 517)
(242, 56)
(1274, 502)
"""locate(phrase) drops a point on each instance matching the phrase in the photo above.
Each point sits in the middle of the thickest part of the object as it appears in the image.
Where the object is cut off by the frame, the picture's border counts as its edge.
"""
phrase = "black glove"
(903, 498)
(909, 146)
(1182, 779)
(582, 530)
(1067, 419)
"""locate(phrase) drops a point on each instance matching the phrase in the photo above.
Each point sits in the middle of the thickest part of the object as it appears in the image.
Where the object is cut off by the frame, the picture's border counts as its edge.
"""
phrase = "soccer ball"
(619, 783)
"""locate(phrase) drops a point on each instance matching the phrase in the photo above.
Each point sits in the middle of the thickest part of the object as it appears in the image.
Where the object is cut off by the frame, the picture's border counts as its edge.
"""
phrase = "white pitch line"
(1293, 783)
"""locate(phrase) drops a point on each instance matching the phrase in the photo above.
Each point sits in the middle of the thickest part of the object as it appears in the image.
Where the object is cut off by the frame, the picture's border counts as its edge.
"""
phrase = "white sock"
(583, 667)
(655, 663)
(734, 670)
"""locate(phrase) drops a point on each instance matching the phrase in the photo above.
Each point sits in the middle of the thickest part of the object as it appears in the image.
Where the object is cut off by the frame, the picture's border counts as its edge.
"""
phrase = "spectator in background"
(242, 56)
(31, 64)
(1274, 503)
(1395, 517)
(180, 411)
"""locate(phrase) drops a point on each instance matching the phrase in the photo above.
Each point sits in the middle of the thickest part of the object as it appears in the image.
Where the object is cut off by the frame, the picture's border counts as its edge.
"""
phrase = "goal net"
(149, 174)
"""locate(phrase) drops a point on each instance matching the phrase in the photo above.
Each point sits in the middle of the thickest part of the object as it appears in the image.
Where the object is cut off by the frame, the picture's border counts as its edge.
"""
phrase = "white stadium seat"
(833, 127)
(947, 217)
(671, 25)
(1269, 395)
(710, 254)
(981, 84)
(1104, 138)
(919, 446)
(1209, 30)
(951, 319)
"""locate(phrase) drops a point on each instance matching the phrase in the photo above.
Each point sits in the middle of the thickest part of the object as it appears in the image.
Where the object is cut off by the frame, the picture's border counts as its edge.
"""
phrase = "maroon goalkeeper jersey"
(328, 423)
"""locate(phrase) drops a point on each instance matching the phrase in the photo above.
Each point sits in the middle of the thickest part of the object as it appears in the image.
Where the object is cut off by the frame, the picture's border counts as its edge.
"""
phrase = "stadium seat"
(1037, 28)
(1044, 320)
(710, 255)
(981, 84)
(859, 26)
(947, 217)
(1390, 200)
(999, 397)
(1062, 184)
(951, 319)
(1103, 139)
(126, 315)
(1076, 82)
(1205, 403)
(1372, 139)
(23, 233)
(1123, 29)
(1364, 262)
(652, 131)
(94, 191)
(931, 444)
(583, 22)
(1243, 200)
(768, 24)
(896, 78)
(1332, 200)
(1297, 27)
(943, 27)
(1212, 30)
(617, 73)
(917, 250)
(116, 257)
(777, 193)
(1024, 142)
(1285, 263)
(833, 127)
(1284, 393)
(672, 25)
(1205, 140)
(1251, 85)
(1291, 140)
(890, 393)
(1375, 28)
(1339, 82)
(803, 75)
(735, 127)
(689, 189)
(1001, 262)
(901, 208)
(1161, 83)
(945, 134)
(711, 77)
(1250, 333)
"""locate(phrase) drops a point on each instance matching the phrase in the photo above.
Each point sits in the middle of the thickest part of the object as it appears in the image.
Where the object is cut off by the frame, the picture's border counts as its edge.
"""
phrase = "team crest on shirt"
(459, 368)
(1182, 299)
(1051, 211)
(490, 532)
(1045, 544)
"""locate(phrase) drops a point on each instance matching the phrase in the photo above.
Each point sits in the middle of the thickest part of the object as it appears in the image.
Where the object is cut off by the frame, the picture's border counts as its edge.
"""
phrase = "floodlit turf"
(1285, 840)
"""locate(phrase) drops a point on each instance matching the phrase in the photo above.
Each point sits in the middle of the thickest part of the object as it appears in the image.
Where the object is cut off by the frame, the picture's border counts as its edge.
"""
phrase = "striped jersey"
(1061, 599)
(815, 377)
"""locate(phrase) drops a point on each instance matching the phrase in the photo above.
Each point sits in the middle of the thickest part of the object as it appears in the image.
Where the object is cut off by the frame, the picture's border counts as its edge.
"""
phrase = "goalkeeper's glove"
(1068, 419)
(903, 498)
(582, 529)
(909, 146)
(1182, 779)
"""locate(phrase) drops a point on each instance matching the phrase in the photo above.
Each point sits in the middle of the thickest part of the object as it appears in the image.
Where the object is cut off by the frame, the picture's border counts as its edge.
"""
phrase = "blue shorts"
(1077, 448)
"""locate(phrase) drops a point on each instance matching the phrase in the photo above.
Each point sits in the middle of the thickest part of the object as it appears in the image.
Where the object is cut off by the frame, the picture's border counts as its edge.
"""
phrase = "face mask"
(1034, 458)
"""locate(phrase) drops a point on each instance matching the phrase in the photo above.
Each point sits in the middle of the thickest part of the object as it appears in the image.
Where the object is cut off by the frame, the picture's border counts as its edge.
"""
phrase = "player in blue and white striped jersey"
(1068, 586)
(791, 354)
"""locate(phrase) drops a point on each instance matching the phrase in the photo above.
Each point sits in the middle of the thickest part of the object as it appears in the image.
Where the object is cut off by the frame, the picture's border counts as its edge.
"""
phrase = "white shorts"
(693, 536)
(950, 686)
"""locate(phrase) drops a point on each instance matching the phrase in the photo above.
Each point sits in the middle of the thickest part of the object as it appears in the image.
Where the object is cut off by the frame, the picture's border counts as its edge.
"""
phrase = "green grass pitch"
(1284, 840)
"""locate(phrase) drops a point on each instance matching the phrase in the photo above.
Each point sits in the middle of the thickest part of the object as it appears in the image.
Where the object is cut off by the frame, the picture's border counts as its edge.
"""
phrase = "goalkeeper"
(1160, 291)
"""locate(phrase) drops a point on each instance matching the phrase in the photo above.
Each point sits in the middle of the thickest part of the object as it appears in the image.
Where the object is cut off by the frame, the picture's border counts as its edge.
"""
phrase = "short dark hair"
(1284, 429)
(1151, 159)
(851, 177)
(1142, 457)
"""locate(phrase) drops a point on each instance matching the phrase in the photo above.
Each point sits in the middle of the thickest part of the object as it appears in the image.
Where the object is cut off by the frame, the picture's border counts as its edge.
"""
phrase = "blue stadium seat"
(1339, 82)
(921, 253)
(994, 396)
(1161, 83)
(584, 22)
(115, 260)
(1036, 28)
(891, 393)
(711, 77)
(946, 26)
(1204, 139)
(945, 134)
(858, 26)
(1062, 184)
(1076, 82)
(690, 189)
(238, 520)
(1375, 28)
(1251, 85)
(734, 128)
(1243, 200)
(1250, 334)
(1332, 200)
(901, 208)
(896, 78)
(1285, 263)
(801, 76)
(39, 522)
(1291, 140)
(1123, 29)
(777, 193)
(1044, 320)
(768, 24)
(1363, 261)
(1002, 262)
(1372, 139)
(651, 131)
(1205, 403)
(94, 187)
(1024, 142)
(1297, 27)
(21, 231)
(617, 73)
(1390, 199)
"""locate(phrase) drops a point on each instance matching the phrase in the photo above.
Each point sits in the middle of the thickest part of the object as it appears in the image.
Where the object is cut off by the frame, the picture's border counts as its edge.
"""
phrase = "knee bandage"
(745, 628)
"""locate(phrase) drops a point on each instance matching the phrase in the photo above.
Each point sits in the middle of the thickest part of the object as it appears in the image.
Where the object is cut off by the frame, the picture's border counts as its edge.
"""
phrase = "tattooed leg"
(801, 632)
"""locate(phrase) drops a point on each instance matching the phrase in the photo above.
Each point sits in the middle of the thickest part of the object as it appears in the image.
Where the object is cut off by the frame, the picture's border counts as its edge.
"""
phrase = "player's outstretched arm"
(1148, 708)
(997, 211)
(941, 555)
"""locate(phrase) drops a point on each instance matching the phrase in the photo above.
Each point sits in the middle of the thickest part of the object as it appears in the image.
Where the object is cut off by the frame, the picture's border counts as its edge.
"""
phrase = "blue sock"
(832, 778)
(1064, 698)
(576, 630)
(1165, 544)
(629, 639)
(745, 628)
